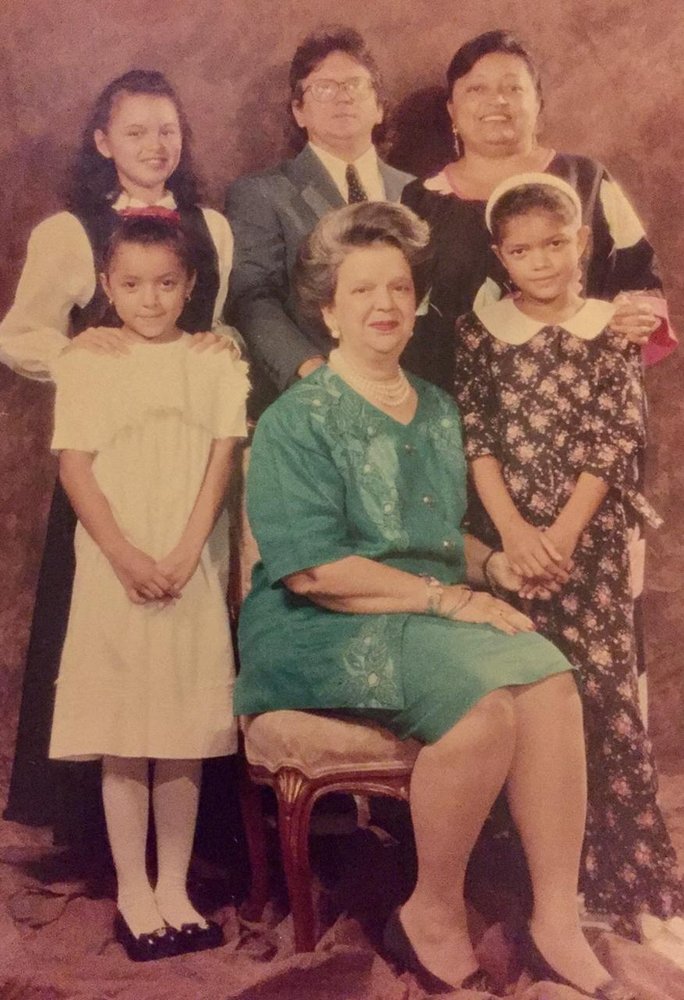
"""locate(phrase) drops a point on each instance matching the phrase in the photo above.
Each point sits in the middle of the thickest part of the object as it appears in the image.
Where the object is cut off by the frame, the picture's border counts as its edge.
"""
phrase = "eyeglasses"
(327, 90)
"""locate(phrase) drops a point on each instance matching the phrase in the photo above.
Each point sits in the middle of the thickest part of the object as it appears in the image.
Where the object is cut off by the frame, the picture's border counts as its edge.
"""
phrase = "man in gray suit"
(336, 101)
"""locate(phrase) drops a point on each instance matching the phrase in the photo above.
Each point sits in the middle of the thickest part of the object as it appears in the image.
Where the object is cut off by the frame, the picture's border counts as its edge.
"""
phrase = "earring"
(458, 143)
(188, 296)
(334, 332)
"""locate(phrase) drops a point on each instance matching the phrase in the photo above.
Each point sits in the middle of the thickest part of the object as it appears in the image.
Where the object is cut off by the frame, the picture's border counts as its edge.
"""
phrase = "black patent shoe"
(195, 937)
(399, 948)
(539, 968)
(160, 943)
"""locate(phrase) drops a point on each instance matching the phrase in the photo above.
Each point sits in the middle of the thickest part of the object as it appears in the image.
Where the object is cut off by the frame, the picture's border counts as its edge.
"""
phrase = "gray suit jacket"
(270, 214)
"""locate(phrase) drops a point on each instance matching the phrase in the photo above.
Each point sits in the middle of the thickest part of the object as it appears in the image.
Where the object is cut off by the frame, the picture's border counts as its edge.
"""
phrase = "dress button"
(409, 449)
(447, 544)
(388, 507)
(371, 431)
(367, 467)
(428, 500)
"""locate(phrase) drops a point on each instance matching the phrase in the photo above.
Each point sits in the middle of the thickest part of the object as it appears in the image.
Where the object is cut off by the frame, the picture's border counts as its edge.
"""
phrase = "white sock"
(175, 797)
(125, 794)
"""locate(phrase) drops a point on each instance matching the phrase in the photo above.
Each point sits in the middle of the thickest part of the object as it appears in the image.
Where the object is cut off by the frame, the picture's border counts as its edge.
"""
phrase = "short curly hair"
(338, 233)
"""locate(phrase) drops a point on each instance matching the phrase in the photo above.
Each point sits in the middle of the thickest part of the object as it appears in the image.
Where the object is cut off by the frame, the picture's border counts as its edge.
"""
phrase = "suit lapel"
(315, 184)
(317, 188)
(394, 181)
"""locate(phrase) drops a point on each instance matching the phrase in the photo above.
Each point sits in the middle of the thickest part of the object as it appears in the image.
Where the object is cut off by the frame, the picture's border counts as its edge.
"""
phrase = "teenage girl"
(145, 441)
(553, 411)
(135, 157)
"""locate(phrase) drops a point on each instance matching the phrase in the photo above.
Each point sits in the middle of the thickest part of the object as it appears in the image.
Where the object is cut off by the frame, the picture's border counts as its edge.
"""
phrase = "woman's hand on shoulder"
(484, 609)
(102, 340)
(208, 340)
(634, 318)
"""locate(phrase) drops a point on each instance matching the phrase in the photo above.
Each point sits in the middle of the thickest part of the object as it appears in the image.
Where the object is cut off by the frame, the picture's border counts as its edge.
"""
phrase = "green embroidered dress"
(332, 476)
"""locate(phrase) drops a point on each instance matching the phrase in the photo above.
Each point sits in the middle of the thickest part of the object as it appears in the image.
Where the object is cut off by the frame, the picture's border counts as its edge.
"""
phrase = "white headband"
(523, 180)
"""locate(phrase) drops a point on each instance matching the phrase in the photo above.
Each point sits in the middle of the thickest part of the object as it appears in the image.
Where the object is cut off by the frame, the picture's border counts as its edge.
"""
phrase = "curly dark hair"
(483, 45)
(340, 232)
(94, 180)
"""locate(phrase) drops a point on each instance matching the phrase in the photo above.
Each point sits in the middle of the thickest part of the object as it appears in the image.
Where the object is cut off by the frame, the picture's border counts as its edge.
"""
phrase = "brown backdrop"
(614, 88)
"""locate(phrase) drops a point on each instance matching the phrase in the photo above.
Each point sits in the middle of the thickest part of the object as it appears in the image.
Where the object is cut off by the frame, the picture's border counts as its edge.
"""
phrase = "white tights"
(175, 796)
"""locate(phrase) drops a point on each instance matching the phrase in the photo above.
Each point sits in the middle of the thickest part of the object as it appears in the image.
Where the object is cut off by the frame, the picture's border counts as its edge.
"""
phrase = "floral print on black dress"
(548, 409)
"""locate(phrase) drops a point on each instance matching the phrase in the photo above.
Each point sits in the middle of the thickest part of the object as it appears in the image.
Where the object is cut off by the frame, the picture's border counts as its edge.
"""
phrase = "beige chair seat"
(320, 745)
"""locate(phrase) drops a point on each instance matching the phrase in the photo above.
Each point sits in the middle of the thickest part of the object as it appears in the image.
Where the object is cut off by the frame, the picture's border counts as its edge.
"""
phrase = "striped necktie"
(356, 189)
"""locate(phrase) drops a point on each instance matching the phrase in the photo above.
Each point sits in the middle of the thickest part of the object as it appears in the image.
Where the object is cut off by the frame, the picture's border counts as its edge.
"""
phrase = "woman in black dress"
(494, 103)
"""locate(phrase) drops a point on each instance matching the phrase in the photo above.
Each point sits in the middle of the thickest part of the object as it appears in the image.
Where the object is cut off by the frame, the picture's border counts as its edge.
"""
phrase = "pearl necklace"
(392, 392)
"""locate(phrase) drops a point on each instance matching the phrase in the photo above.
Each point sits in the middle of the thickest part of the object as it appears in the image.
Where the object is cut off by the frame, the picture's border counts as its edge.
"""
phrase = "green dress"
(332, 476)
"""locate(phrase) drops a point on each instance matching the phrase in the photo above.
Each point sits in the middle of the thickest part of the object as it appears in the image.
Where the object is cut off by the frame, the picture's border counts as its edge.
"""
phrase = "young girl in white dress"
(135, 158)
(145, 441)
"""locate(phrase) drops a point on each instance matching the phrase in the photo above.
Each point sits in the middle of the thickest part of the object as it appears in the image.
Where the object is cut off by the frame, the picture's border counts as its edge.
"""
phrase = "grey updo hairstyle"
(351, 228)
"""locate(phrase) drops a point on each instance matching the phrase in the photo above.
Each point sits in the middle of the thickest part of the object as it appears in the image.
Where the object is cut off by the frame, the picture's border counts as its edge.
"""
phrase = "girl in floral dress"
(553, 415)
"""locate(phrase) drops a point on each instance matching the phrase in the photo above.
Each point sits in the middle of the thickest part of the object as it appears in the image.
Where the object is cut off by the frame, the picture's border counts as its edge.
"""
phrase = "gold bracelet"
(458, 607)
(485, 565)
(435, 595)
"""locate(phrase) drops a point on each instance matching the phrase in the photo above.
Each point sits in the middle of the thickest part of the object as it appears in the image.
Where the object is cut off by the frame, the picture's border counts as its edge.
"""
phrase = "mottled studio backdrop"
(614, 86)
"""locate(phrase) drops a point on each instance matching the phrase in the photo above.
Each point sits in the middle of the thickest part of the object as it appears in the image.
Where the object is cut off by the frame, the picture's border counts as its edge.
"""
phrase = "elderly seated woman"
(362, 603)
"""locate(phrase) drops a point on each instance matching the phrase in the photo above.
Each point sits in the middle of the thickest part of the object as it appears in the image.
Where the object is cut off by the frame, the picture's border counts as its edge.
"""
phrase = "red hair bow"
(158, 211)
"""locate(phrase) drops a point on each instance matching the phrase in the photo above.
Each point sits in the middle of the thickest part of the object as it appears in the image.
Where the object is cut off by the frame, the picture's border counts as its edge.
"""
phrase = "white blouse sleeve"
(59, 273)
(222, 237)
(623, 222)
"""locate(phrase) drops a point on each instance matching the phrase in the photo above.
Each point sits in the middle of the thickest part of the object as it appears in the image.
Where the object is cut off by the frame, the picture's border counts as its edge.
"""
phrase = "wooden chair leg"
(255, 835)
(294, 812)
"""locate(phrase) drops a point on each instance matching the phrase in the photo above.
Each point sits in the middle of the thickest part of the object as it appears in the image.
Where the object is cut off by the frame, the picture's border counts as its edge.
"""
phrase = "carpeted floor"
(56, 937)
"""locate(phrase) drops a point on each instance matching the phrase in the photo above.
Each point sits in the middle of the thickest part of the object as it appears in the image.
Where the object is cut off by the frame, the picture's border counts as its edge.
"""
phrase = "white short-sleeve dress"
(147, 680)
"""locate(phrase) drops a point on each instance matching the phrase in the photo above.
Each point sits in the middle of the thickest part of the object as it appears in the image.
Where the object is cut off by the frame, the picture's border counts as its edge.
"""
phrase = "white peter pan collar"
(507, 323)
(126, 201)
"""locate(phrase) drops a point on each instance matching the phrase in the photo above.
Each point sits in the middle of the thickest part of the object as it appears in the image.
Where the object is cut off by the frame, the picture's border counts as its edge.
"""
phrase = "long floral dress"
(550, 402)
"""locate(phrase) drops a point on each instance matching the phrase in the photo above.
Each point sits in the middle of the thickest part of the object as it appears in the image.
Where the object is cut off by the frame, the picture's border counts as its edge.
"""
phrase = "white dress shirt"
(366, 167)
(59, 274)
